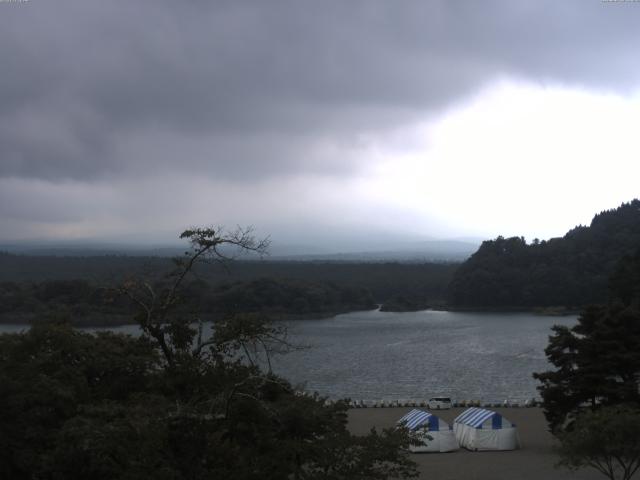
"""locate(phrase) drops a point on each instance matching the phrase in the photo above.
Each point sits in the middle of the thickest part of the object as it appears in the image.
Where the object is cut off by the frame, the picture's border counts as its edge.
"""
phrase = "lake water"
(376, 355)
(379, 355)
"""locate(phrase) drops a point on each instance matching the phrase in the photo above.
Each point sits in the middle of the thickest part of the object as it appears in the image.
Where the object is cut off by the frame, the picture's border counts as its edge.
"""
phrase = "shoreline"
(555, 311)
(535, 459)
(104, 320)
(98, 320)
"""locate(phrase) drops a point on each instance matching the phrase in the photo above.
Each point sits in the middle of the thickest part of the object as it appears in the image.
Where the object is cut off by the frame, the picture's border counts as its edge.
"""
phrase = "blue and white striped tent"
(419, 418)
(434, 434)
(481, 429)
(475, 417)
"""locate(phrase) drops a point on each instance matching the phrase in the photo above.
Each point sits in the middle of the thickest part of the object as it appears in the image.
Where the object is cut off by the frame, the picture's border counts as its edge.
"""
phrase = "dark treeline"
(98, 269)
(77, 299)
(336, 290)
(571, 271)
(86, 303)
(273, 296)
(404, 303)
(32, 283)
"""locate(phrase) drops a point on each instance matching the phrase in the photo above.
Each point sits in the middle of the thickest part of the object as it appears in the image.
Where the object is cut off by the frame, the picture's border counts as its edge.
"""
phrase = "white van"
(439, 403)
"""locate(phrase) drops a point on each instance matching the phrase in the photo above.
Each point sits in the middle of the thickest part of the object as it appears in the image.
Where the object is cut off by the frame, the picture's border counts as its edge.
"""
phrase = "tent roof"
(416, 418)
(474, 417)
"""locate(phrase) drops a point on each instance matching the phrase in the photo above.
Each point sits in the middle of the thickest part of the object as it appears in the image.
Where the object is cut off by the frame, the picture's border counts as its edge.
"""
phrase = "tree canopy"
(174, 403)
(571, 271)
(605, 439)
(597, 361)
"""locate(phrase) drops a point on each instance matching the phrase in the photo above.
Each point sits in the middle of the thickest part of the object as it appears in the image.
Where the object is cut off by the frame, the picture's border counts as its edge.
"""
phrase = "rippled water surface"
(374, 355)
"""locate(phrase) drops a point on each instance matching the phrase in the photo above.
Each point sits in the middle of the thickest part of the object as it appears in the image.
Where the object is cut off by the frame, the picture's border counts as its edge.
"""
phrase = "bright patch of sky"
(516, 159)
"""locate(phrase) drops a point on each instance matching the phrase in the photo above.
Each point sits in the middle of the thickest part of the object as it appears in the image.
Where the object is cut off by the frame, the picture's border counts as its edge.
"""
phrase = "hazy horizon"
(352, 249)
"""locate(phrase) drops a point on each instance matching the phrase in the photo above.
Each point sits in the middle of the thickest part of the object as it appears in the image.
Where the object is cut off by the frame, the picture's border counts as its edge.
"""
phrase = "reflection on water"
(374, 355)
(415, 355)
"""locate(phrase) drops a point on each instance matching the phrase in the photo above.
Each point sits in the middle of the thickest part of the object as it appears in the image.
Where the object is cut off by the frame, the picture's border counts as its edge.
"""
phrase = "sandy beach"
(534, 461)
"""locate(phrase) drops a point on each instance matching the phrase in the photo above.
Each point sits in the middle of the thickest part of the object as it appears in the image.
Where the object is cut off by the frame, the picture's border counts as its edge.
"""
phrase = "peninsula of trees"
(31, 287)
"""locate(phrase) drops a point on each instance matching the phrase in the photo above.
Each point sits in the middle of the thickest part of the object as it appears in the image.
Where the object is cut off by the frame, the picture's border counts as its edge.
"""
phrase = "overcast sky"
(315, 121)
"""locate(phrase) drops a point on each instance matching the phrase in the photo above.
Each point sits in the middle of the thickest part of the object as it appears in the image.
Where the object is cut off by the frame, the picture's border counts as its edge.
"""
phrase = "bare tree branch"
(156, 304)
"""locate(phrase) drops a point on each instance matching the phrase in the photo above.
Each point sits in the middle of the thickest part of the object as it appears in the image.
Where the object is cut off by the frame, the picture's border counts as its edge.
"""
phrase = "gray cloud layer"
(247, 90)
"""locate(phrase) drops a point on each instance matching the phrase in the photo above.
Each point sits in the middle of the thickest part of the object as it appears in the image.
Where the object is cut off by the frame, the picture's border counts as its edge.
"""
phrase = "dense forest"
(571, 271)
(88, 304)
(84, 288)
(567, 272)
(174, 403)
(423, 281)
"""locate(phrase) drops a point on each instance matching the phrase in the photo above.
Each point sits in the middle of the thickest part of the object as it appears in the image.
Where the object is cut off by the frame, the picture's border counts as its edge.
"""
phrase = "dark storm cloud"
(251, 89)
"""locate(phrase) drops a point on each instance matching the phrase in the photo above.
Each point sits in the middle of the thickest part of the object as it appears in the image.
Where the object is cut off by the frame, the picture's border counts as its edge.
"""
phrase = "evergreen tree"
(571, 271)
(598, 360)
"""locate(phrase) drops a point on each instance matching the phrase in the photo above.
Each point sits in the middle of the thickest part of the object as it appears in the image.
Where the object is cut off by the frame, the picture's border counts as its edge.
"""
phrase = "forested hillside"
(421, 281)
(571, 271)
(32, 288)
(86, 304)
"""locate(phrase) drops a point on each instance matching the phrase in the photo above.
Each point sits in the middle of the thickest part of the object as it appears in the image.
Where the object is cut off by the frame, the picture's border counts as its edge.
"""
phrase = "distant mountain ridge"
(412, 252)
(570, 271)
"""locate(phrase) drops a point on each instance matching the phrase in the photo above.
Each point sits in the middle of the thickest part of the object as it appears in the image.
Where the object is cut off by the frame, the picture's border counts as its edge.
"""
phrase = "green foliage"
(77, 297)
(173, 404)
(424, 282)
(280, 296)
(624, 284)
(606, 439)
(90, 304)
(48, 374)
(363, 458)
(402, 303)
(76, 405)
(597, 362)
(569, 271)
